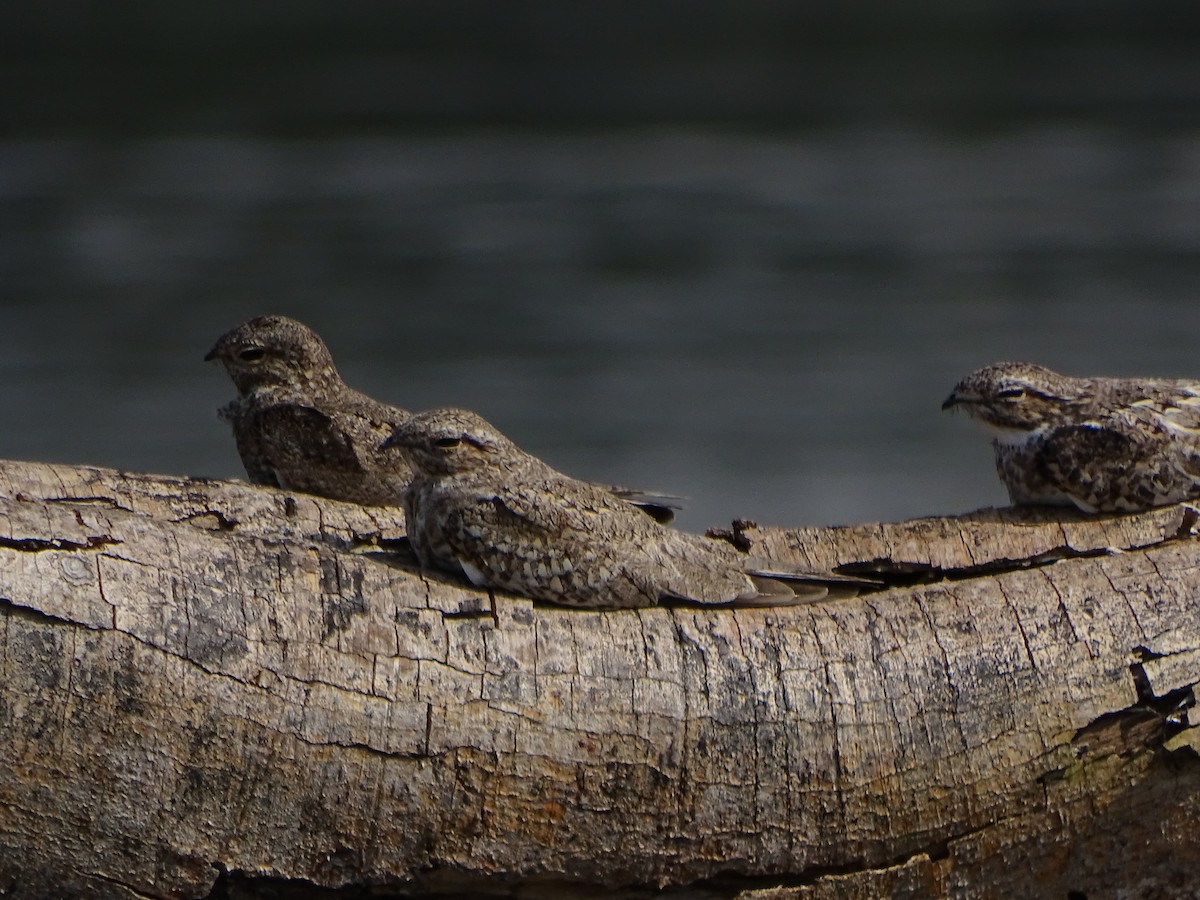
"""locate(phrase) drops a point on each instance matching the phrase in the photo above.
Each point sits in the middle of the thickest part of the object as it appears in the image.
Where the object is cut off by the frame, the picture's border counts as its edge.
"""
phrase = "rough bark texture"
(208, 688)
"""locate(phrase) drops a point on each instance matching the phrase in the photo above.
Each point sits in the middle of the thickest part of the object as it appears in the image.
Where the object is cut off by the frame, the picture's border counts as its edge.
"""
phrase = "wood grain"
(207, 686)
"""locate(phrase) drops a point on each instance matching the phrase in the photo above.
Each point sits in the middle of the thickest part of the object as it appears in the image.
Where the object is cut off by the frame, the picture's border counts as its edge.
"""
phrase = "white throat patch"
(1012, 437)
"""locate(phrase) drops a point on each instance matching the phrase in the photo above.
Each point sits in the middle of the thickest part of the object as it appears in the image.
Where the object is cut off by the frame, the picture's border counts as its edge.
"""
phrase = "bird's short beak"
(210, 355)
(952, 401)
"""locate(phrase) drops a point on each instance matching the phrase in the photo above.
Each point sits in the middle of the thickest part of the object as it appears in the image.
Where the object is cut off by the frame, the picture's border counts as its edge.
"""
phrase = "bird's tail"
(777, 585)
(660, 507)
(776, 592)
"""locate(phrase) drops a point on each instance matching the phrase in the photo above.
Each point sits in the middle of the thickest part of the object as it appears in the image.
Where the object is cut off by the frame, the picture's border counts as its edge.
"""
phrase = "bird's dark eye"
(447, 443)
(1012, 393)
(251, 354)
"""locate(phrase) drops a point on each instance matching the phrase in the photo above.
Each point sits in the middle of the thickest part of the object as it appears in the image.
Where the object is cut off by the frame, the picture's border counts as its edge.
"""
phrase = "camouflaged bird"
(298, 426)
(480, 506)
(1101, 444)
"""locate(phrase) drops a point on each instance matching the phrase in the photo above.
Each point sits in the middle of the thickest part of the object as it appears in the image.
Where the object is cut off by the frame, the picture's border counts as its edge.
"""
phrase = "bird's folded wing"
(380, 418)
(1090, 463)
(563, 506)
(307, 436)
(1177, 413)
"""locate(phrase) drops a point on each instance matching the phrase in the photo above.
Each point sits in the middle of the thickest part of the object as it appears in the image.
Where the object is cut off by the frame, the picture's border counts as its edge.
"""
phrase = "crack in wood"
(213, 519)
(40, 545)
(30, 614)
(1145, 725)
(90, 499)
(898, 574)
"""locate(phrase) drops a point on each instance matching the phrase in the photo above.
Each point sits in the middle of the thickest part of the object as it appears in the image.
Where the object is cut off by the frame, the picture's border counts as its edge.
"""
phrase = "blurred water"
(766, 324)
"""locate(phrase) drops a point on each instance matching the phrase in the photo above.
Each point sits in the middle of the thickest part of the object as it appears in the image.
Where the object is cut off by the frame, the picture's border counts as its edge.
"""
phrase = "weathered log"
(209, 688)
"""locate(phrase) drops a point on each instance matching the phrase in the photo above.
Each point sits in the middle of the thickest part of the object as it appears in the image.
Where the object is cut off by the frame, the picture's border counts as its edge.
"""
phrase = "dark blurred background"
(739, 251)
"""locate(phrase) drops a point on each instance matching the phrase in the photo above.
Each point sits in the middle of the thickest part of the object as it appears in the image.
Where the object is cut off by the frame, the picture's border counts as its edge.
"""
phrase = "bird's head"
(272, 351)
(449, 441)
(1014, 398)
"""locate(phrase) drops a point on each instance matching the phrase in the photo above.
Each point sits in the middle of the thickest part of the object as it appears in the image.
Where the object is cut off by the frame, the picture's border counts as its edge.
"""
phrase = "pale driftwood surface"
(210, 687)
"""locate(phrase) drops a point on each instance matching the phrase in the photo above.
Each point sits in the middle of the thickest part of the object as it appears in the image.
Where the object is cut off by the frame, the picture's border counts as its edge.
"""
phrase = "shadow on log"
(212, 689)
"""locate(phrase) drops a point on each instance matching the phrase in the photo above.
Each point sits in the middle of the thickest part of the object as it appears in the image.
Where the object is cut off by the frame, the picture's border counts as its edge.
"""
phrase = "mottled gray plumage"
(480, 506)
(1100, 444)
(296, 423)
(299, 427)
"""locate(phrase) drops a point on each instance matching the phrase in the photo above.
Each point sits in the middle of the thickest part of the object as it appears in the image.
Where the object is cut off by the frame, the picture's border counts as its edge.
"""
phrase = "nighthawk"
(480, 506)
(298, 426)
(1100, 444)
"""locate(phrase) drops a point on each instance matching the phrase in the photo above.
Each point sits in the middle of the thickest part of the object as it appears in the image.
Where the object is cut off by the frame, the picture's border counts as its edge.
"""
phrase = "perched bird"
(298, 426)
(480, 506)
(1101, 444)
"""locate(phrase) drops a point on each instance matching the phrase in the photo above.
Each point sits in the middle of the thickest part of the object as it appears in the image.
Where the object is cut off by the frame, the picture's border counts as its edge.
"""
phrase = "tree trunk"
(212, 689)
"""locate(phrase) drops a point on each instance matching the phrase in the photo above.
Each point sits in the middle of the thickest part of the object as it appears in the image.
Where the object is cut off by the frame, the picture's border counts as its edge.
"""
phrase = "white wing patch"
(474, 573)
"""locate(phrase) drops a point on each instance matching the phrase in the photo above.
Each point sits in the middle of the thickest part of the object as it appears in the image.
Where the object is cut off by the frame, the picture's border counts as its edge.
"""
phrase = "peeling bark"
(213, 689)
